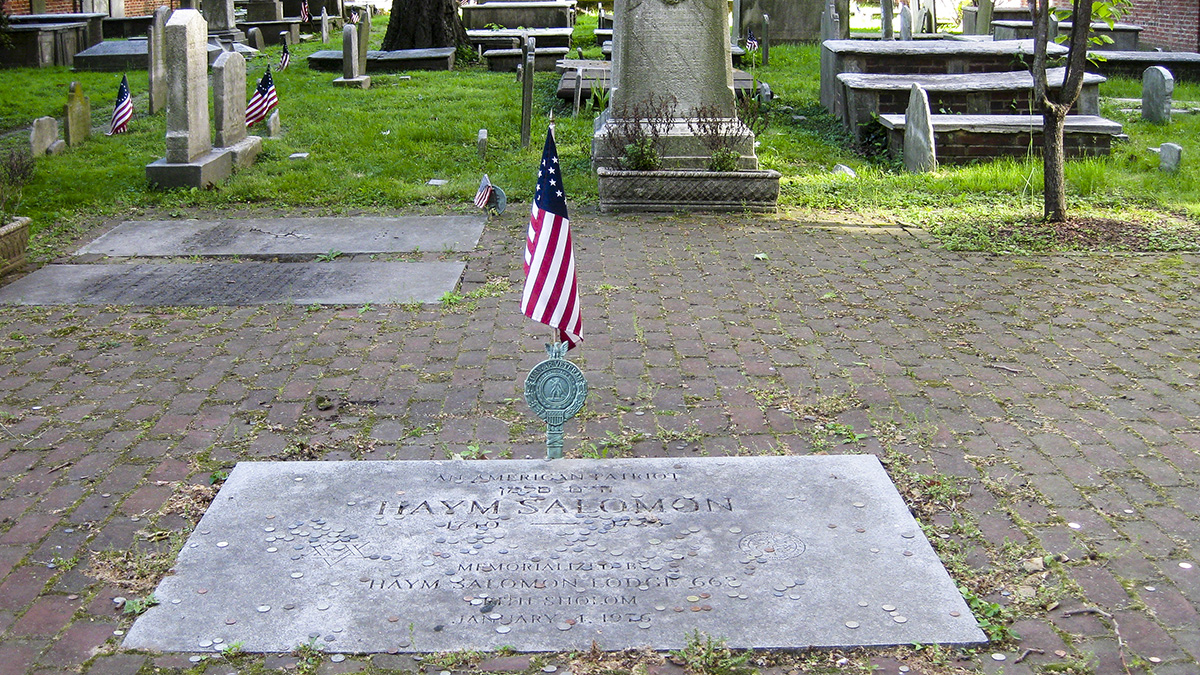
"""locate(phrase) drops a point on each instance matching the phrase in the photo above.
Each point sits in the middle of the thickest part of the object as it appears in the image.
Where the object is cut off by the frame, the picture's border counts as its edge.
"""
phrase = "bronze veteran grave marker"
(551, 555)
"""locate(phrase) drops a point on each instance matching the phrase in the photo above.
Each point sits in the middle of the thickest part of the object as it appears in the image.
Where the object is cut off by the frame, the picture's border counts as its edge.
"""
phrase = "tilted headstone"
(1158, 86)
(229, 99)
(43, 135)
(1169, 157)
(983, 18)
(78, 115)
(255, 37)
(274, 126)
(919, 151)
(906, 20)
(188, 134)
(885, 20)
(324, 26)
(364, 41)
(156, 59)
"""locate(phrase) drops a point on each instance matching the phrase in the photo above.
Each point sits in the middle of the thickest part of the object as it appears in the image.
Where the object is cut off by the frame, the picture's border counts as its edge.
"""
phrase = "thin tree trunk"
(424, 24)
(1054, 117)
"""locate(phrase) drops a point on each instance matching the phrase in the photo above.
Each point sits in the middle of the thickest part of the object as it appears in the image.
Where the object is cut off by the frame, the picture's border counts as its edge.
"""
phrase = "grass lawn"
(376, 150)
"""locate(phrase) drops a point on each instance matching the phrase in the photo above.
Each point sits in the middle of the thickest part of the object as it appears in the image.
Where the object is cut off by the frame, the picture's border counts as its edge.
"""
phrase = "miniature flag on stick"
(264, 100)
(285, 58)
(751, 42)
(484, 195)
(551, 293)
(304, 15)
(123, 110)
(354, 16)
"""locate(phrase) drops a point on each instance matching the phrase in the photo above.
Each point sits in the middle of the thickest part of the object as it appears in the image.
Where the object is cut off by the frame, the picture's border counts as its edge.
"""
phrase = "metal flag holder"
(556, 390)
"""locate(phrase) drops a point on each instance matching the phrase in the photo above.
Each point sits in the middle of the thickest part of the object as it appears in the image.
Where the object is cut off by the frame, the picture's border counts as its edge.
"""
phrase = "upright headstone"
(579, 89)
(255, 37)
(1169, 156)
(906, 20)
(364, 41)
(527, 91)
(229, 109)
(885, 20)
(1158, 86)
(78, 115)
(765, 41)
(43, 136)
(351, 69)
(830, 30)
(156, 59)
(983, 18)
(324, 26)
(736, 18)
(481, 141)
(919, 151)
(221, 20)
(274, 126)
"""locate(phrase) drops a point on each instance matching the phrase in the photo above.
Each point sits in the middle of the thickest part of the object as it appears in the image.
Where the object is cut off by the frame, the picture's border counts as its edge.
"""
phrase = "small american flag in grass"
(304, 15)
(285, 58)
(264, 100)
(484, 195)
(751, 42)
(123, 110)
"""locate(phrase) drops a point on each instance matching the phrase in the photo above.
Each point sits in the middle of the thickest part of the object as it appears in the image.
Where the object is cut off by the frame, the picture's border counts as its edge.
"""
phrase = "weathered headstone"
(274, 126)
(364, 41)
(156, 59)
(285, 37)
(578, 90)
(919, 151)
(481, 142)
(254, 37)
(222, 23)
(906, 21)
(324, 26)
(1158, 87)
(43, 136)
(1169, 157)
(983, 18)
(264, 10)
(229, 109)
(830, 30)
(527, 73)
(351, 65)
(190, 160)
(423, 556)
(764, 42)
(885, 20)
(78, 115)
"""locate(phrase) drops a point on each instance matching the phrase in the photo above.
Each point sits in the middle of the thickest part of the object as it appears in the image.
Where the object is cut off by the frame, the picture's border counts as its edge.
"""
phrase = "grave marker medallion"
(553, 555)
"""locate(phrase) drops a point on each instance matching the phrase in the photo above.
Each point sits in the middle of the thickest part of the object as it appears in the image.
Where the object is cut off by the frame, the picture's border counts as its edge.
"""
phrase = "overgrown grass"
(377, 150)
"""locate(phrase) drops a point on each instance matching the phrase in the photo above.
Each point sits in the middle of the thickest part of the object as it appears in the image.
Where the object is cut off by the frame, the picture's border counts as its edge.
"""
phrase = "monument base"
(245, 151)
(360, 82)
(688, 190)
(681, 144)
(202, 172)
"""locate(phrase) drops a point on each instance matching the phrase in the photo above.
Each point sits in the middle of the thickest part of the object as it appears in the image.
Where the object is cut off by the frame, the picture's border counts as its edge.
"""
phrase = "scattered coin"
(1074, 526)
(999, 657)
(338, 658)
(888, 608)
(900, 619)
(851, 624)
(1185, 565)
(264, 608)
(230, 621)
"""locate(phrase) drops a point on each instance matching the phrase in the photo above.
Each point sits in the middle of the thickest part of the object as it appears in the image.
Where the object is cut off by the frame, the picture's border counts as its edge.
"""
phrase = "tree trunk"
(1054, 116)
(424, 24)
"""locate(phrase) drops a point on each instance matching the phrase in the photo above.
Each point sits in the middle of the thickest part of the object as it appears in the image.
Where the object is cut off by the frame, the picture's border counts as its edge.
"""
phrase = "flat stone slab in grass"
(543, 555)
(235, 284)
(397, 61)
(289, 236)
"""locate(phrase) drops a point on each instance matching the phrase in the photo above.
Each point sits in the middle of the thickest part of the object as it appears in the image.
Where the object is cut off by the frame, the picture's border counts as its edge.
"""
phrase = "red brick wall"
(132, 7)
(1170, 24)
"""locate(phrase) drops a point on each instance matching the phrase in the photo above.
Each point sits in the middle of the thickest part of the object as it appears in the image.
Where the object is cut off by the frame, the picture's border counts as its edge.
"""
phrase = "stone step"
(962, 139)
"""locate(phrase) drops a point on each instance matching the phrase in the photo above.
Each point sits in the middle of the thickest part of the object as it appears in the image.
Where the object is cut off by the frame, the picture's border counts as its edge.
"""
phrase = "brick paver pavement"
(1041, 414)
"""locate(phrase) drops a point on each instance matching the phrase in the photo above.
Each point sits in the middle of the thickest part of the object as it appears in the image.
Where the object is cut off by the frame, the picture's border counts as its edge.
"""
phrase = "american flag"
(263, 101)
(304, 15)
(123, 110)
(751, 43)
(551, 293)
(484, 195)
(285, 58)
(354, 16)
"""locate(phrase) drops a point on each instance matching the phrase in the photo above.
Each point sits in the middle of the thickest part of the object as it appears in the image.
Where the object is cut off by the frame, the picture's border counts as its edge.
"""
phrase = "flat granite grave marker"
(766, 552)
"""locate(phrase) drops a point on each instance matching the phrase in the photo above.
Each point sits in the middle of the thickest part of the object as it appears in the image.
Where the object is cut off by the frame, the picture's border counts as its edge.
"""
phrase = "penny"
(899, 619)
(393, 618)
(851, 624)
(503, 629)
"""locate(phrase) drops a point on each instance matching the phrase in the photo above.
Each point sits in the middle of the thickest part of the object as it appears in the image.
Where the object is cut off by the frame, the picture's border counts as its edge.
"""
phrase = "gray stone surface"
(204, 171)
(229, 99)
(238, 284)
(388, 62)
(830, 30)
(1158, 87)
(422, 556)
(188, 134)
(43, 134)
(324, 26)
(77, 115)
(114, 56)
(920, 153)
(274, 125)
(288, 236)
(790, 21)
(1169, 157)
(255, 37)
(906, 23)
(364, 41)
(352, 60)
(983, 19)
(157, 68)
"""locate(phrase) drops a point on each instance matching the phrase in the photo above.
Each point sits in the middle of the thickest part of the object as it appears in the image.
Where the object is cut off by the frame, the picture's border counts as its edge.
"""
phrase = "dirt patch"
(1087, 233)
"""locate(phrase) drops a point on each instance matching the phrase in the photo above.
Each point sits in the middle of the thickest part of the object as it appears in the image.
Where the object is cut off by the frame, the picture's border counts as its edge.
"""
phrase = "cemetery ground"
(1039, 413)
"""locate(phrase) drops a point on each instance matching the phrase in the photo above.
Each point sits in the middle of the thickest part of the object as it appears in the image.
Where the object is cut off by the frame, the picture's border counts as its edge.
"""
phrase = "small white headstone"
(229, 98)
(298, 155)
(274, 128)
(842, 169)
(1158, 86)
(906, 20)
(43, 135)
(919, 151)
(1169, 156)
(324, 26)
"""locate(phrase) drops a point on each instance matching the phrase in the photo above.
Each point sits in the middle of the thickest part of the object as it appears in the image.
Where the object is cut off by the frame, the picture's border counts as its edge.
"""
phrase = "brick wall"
(132, 7)
(1170, 24)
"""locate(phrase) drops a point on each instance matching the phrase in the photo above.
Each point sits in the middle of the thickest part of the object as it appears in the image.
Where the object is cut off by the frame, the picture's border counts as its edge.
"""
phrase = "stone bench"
(127, 26)
(1124, 36)
(43, 45)
(1184, 66)
(503, 38)
(599, 74)
(396, 61)
(868, 95)
(119, 55)
(507, 60)
(961, 139)
(271, 29)
(548, 14)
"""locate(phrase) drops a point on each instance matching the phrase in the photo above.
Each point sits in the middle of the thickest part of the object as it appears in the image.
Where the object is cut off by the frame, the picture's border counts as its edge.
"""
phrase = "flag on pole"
(285, 58)
(484, 195)
(354, 16)
(123, 110)
(751, 43)
(304, 15)
(264, 100)
(551, 293)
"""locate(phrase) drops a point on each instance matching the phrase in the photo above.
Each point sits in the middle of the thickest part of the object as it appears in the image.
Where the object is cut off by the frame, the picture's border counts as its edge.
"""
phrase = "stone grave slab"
(543, 555)
(236, 284)
(289, 236)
